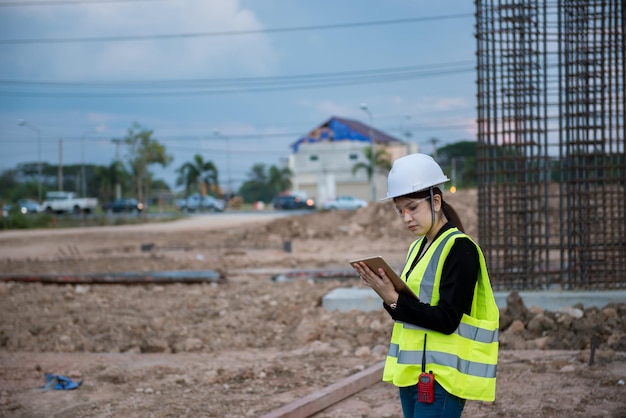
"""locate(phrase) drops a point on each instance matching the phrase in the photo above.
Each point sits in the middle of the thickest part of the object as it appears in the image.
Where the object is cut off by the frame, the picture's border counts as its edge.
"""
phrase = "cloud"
(440, 104)
(201, 57)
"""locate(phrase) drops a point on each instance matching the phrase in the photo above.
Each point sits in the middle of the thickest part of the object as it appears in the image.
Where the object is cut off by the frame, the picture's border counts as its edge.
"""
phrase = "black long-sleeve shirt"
(456, 290)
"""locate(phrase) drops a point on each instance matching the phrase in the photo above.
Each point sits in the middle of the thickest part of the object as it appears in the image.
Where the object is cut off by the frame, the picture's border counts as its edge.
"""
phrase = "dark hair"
(447, 209)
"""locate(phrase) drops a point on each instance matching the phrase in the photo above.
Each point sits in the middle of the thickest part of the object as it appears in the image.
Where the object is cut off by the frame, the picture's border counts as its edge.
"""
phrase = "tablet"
(376, 262)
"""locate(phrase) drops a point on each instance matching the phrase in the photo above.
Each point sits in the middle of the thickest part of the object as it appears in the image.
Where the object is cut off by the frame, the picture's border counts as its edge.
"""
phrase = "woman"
(451, 331)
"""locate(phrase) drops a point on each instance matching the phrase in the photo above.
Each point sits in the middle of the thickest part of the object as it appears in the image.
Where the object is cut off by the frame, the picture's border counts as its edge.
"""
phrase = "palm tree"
(108, 177)
(279, 179)
(382, 162)
(202, 174)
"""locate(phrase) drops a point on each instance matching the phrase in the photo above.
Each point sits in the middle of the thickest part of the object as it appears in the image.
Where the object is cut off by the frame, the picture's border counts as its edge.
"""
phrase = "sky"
(237, 81)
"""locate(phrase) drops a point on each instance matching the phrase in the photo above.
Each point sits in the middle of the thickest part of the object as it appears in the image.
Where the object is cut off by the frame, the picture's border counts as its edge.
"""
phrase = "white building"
(323, 160)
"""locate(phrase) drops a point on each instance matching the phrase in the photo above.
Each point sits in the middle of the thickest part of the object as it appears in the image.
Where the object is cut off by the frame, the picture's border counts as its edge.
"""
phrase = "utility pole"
(117, 142)
(434, 141)
(406, 131)
(82, 162)
(453, 173)
(118, 187)
(60, 171)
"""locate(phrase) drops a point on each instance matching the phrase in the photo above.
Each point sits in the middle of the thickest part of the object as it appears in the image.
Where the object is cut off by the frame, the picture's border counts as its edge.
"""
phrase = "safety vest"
(464, 362)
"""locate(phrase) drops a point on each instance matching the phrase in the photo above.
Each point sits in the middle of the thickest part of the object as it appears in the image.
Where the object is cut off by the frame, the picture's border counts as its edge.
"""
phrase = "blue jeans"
(445, 405)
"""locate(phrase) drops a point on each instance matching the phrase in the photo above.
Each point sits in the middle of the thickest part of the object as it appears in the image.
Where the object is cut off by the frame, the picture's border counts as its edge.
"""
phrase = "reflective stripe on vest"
(466, 331)
(426, 286)
(445, 359)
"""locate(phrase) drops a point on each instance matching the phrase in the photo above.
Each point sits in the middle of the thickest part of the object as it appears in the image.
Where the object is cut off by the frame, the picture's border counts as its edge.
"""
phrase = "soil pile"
(251, 344)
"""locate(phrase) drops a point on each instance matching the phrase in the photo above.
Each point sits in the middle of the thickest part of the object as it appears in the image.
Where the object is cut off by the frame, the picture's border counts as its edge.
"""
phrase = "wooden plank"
(322, 399)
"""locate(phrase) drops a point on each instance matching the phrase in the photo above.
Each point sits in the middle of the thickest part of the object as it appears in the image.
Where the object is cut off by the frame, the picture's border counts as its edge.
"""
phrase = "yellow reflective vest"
(464, 362)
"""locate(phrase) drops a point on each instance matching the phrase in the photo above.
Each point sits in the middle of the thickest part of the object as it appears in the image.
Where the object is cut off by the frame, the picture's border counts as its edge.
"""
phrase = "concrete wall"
(365, 299)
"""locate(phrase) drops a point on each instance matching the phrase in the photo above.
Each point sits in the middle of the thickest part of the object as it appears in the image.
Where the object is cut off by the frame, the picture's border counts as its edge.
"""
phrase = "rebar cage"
(551, 160)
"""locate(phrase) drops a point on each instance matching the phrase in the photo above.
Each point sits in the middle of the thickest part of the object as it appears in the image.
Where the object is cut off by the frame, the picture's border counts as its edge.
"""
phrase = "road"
(194, 221)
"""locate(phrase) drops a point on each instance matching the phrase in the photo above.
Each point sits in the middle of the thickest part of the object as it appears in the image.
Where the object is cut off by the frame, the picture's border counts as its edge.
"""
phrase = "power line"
(237, 81)
(173, 138)
(249, 85)
(127, 38)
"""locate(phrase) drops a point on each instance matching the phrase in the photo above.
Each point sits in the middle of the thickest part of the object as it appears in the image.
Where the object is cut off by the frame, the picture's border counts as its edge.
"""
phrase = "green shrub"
(18, 220)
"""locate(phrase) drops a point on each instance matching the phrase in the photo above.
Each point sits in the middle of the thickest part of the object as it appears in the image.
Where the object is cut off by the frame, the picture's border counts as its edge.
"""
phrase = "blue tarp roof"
(340, 129)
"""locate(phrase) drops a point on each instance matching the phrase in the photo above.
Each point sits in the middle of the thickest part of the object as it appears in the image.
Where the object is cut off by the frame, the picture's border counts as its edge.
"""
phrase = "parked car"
(123, 205)
(344, 203)
(28, 206)
(293, 201)
(68, 202)
(196, 202)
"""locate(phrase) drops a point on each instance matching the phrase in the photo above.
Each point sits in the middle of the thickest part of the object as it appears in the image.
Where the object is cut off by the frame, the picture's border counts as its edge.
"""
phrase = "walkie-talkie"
(426, 382)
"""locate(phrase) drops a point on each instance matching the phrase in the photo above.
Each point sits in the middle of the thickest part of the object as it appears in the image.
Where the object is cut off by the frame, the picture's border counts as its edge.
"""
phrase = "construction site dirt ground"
(248, 344)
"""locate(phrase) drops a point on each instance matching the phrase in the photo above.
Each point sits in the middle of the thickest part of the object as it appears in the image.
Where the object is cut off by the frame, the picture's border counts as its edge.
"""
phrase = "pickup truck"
(65, 202)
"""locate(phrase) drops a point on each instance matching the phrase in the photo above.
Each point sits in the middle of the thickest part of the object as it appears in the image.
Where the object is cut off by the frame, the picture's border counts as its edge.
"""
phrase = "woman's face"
(416, 214)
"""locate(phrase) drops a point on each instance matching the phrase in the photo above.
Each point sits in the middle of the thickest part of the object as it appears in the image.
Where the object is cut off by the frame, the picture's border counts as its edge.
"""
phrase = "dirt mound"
(572, 328)
(252, 344)
(377, 220)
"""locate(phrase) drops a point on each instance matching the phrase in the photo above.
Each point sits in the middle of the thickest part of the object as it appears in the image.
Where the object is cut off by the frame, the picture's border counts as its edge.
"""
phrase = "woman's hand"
(378, 281)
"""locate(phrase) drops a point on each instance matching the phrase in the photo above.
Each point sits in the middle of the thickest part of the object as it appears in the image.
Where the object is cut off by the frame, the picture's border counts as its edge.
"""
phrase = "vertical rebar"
(551, 162)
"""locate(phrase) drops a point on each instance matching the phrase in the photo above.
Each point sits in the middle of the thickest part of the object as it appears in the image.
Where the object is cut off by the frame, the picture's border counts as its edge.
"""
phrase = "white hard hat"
(414, 173)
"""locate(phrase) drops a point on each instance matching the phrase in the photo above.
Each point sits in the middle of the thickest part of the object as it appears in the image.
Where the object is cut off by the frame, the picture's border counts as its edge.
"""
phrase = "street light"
(22, 122)
(218, 134)
(373, 156)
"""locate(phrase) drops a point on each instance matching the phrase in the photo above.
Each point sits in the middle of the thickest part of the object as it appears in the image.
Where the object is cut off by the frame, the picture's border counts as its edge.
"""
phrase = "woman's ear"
(437, 201)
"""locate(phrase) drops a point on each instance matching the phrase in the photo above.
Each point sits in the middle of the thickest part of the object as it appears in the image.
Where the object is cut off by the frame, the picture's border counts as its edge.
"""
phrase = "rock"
(193, 345)
(64, 339)
(541, 343)
(564, 320)
(81, 289)
(571, 311)
(540, 323)
(617, 341)
(363, 351)
(4, 289)
(515, 305)
(517, 327)
(211, 377)
(155, 345)
(610, 312)
(380, 350)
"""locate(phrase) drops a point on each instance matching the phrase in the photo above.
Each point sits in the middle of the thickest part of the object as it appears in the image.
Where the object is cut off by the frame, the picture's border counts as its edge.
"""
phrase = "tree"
(144, 151)
(382, 162)
(279, 179)
(8, 183)
(203, 174)
(263, 184)
(458, 160)
(106, 179)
